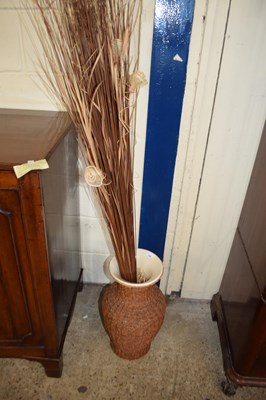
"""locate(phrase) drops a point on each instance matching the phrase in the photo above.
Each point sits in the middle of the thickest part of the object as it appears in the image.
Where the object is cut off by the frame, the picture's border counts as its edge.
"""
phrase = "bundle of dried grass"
(87, 45)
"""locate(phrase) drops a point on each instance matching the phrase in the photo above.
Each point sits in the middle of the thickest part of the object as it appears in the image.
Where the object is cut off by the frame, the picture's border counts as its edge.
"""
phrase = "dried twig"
(87, 46)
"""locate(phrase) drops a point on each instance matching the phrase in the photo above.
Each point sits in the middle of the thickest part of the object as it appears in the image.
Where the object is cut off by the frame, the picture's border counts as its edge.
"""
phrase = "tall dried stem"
(87, 47)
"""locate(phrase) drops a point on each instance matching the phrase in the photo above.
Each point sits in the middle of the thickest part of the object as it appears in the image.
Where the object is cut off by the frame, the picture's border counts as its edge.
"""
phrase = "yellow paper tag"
(23, 169)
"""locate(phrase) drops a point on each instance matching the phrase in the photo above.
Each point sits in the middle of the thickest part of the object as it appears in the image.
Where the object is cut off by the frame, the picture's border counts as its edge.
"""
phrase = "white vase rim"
(150, 263)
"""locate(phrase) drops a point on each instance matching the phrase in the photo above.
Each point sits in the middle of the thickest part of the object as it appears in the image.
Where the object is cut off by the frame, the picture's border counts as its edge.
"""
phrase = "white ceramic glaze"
(147, 261)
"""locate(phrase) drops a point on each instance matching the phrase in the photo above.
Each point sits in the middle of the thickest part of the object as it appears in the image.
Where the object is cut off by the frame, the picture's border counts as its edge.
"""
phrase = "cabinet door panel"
(253, 217)
(15, 323)
(242, 308)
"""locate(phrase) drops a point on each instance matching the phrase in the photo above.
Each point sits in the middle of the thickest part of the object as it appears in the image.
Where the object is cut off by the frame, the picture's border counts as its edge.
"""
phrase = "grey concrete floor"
(184, 362)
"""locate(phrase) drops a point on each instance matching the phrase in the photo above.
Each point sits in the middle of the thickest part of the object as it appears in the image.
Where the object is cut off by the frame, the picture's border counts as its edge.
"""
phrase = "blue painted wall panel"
(172, 29)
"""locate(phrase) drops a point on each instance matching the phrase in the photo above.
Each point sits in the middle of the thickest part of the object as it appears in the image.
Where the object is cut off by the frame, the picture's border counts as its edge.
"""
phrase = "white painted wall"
(21, 88)
(226, 140)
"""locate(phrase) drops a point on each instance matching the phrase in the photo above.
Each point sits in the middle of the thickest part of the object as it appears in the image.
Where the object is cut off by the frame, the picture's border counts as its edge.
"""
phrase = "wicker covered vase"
(132, 314)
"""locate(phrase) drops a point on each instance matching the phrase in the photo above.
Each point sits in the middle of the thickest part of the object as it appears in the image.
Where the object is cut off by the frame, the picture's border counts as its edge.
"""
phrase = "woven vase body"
(132, 316)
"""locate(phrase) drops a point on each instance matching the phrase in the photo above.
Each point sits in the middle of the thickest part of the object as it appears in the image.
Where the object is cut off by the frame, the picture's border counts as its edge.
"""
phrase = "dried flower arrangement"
(87, 45)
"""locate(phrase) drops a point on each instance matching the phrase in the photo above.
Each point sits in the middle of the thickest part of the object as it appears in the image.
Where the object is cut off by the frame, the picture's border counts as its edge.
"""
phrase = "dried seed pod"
(137, 80)
(93, 176)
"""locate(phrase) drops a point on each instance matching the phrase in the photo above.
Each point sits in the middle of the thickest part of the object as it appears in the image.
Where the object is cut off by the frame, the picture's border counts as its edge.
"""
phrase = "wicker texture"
(132, 316)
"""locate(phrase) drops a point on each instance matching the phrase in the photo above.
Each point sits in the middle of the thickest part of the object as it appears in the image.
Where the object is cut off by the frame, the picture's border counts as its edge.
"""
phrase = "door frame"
(228, 115)
(206, 50)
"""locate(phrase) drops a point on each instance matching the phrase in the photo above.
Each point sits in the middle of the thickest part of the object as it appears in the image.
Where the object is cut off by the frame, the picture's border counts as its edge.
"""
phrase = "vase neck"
(134, 292)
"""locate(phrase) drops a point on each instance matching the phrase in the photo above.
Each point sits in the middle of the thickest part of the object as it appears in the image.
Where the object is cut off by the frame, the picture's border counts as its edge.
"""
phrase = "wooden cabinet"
(240, 306)
(40, 269)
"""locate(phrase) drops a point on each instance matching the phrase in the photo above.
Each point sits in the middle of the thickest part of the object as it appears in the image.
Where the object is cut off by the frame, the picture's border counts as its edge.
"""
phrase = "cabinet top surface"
(30, 135)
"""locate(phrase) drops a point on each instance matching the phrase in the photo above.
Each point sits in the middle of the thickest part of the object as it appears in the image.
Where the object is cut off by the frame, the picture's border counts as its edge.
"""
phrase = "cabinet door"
(243, 289)
(252, 222)
(15, 322)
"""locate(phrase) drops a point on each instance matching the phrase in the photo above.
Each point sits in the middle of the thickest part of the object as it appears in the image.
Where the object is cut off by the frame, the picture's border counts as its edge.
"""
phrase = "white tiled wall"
(22, 88)
(20, 85)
